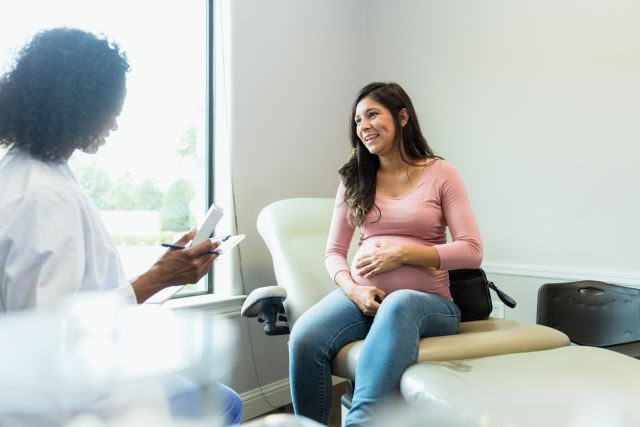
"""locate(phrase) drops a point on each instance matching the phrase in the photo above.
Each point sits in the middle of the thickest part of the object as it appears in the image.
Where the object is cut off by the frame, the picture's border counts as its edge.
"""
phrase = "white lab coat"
(52, 239)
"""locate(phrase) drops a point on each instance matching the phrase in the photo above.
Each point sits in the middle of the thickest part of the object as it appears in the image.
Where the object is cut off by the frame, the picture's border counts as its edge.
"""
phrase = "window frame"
(209, 135)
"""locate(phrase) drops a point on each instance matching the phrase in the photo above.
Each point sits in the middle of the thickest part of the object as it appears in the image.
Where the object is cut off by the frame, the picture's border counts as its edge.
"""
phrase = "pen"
(172, 246)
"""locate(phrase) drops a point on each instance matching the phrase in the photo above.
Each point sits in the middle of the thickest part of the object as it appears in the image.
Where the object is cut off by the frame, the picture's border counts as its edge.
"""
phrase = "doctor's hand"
(385, 257)
(176, 267)
(367, 298)
(185, 266)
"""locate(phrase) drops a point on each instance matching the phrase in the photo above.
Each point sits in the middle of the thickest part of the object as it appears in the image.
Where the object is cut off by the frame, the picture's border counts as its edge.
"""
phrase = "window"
(152, 180)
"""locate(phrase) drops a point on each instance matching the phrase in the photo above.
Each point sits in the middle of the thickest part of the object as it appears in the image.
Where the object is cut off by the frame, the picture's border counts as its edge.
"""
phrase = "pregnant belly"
(404, 277)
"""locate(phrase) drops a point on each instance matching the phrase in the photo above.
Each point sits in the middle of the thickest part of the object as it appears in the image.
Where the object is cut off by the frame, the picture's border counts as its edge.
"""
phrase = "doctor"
(64, 93)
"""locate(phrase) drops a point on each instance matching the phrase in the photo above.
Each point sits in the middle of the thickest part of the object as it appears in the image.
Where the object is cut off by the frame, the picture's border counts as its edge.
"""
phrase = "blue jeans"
(391, 344)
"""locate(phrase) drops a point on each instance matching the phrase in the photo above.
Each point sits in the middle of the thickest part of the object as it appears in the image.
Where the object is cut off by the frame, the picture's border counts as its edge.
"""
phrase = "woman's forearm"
(422, 256)
(344, 280)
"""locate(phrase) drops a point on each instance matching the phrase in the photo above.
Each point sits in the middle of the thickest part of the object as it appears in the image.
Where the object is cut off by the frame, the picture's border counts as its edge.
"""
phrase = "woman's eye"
(372, 114)
(358, 120)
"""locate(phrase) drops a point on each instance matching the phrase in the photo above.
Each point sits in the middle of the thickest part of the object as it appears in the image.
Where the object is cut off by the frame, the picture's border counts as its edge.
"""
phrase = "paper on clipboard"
(228, 242)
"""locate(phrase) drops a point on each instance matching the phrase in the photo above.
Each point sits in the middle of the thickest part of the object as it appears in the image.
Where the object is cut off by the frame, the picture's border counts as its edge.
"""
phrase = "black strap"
(506, 299)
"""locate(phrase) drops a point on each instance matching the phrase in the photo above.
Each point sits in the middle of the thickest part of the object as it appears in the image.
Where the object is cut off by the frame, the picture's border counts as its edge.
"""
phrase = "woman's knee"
(400, 297)
(410, 304)
(316, 327)
(399, 303)
(304, 338)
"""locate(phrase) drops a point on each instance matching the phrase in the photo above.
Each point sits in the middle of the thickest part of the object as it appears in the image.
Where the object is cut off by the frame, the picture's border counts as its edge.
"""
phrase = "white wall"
(295, 66)
(536, 103)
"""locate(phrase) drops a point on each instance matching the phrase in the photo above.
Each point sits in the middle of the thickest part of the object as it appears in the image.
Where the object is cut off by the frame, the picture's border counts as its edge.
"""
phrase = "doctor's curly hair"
(61, 90)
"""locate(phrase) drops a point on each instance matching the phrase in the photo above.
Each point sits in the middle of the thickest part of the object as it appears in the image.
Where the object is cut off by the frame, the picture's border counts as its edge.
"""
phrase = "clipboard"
(228, 242)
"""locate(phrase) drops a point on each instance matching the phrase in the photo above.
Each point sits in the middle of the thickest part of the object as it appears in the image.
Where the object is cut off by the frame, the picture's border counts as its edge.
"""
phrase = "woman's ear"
(404, 117)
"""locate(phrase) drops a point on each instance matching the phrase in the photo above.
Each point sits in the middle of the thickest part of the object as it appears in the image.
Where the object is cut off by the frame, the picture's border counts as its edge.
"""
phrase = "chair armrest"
(266, 304)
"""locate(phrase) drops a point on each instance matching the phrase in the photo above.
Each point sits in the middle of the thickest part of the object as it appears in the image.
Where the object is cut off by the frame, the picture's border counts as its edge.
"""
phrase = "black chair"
(593, 313)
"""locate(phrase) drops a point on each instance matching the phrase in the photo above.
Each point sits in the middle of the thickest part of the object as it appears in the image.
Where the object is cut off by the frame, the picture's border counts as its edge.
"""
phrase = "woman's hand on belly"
(385, 257)
(367, 298)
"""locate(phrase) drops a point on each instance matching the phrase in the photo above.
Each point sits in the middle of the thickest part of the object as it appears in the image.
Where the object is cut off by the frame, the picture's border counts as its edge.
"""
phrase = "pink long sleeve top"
(419, 217)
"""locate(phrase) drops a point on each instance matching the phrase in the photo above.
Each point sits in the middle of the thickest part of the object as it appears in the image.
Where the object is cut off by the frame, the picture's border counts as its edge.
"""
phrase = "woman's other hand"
(367, 298)
(385, 257)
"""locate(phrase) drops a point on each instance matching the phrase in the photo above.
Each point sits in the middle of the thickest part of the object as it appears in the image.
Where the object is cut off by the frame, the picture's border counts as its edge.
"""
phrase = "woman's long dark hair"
(359, 173)
(63, 88)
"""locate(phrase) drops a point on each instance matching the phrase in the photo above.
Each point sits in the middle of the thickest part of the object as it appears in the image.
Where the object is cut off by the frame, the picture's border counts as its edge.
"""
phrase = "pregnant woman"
(396, 291)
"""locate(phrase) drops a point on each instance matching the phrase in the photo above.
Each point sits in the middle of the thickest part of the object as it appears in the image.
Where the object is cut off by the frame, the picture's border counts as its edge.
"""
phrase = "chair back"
(590, 312)
(295, 232)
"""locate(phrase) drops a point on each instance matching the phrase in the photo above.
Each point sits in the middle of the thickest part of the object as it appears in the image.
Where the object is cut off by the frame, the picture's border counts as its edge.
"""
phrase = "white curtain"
(227, 271)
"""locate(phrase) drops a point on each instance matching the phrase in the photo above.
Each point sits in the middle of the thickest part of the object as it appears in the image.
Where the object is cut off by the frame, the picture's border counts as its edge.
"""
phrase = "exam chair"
(296, 230)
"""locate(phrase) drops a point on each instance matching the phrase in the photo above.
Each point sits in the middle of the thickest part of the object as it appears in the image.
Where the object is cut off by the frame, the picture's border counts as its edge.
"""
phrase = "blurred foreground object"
(96, 361)
(283, 420)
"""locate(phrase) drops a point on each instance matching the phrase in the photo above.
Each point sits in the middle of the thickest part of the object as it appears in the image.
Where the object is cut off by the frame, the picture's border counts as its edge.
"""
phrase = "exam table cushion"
(568, 386)
(479, 338)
